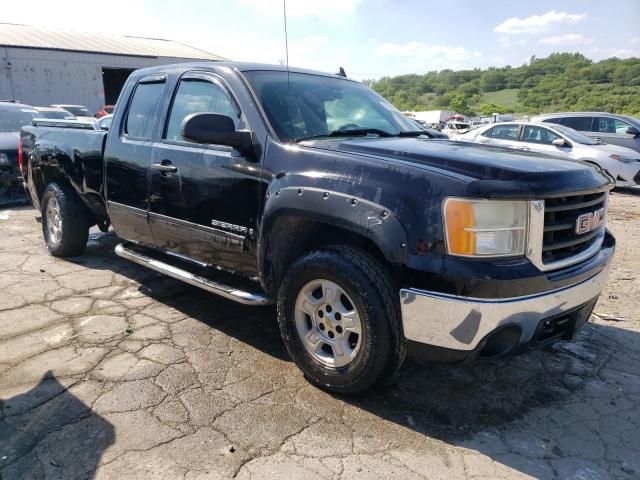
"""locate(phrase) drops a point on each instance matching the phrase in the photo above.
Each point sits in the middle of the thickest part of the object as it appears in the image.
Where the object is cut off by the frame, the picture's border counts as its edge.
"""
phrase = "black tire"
(376, 299)
(73, 219)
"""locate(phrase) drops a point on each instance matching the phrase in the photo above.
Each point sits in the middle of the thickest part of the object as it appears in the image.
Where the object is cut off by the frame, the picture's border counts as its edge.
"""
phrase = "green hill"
(507, 96)
(562, 81)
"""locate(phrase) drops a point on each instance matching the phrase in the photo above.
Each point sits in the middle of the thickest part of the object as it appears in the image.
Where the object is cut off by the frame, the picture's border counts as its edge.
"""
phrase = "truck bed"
(65, 149)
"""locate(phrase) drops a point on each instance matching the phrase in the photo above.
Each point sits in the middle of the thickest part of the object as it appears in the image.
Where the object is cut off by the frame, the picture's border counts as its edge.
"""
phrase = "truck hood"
(9, 141)
(491, 171)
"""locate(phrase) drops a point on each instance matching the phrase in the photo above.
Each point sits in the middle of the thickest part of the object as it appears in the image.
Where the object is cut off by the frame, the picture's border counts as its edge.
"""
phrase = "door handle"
(164, 167)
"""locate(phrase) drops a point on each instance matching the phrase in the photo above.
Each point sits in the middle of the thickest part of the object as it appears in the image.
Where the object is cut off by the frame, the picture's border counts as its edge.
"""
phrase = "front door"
(128, 157)
(205, 199)
(614, 131)
(540, 139)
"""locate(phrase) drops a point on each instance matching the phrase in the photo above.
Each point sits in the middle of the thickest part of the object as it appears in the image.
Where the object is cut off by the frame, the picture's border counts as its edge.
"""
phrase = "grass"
(508, 96)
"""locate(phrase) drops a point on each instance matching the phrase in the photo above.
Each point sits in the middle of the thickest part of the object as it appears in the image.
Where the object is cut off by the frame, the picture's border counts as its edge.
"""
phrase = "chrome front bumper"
(461, 323)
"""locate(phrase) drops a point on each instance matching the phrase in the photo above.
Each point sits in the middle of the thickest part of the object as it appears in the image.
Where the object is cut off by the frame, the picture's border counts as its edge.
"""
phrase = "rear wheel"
(339, 316)
(64, 221)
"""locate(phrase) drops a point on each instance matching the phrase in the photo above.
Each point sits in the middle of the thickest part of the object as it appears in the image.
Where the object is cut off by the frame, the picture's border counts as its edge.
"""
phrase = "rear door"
(127, 156)
(613, 131)
(539, 139)
(502, 136)
(204, 198)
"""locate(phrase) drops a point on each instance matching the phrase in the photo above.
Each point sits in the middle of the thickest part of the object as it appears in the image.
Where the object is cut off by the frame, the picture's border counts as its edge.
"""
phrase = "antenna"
(286, 47)
(286, 36)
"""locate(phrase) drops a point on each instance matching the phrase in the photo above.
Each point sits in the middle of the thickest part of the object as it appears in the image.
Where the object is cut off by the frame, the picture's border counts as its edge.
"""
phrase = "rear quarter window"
(581, 124)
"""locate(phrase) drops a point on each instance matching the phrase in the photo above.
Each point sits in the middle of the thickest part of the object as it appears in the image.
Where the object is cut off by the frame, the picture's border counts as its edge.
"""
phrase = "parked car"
(54, 113)
(309, 190)
(13, 116)
(105, 110)
(454, 129)
(621, 130)
(79, 111)
(623, 164)
(429, 131)
(104, 123)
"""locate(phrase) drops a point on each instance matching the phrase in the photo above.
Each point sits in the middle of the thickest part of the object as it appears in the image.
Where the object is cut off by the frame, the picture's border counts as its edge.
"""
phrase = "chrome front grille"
(560, 240)
(555, 240)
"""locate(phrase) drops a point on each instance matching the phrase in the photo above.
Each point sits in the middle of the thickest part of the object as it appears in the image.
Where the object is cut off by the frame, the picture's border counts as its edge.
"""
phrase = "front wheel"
(339, 316)
(64, 221)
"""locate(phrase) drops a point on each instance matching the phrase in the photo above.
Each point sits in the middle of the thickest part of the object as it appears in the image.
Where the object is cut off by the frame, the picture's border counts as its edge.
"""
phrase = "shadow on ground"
(565, 391)
(48, 432)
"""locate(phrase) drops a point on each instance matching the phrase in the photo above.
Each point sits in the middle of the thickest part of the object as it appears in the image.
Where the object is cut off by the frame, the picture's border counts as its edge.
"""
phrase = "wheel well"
(45, 177)
(51, 176)
(291, 236)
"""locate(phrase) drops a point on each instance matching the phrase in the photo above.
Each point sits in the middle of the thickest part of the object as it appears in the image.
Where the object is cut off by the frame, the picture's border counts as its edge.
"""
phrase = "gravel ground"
(108, 370)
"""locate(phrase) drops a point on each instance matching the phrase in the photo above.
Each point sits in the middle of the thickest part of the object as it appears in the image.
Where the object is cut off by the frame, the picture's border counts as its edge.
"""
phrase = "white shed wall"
(43, 77)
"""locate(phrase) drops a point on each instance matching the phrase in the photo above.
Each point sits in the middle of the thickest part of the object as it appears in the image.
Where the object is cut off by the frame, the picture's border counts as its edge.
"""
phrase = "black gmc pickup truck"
(311, 191)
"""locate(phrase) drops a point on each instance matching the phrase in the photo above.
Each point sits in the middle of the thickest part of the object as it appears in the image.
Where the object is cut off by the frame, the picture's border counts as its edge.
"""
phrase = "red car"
(106, 110)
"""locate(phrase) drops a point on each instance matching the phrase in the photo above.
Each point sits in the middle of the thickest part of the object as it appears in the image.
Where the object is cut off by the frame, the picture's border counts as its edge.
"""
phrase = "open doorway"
(113, 80)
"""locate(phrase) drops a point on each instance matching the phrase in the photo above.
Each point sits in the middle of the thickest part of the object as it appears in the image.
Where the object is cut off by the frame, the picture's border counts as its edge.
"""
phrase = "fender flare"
(358, 215)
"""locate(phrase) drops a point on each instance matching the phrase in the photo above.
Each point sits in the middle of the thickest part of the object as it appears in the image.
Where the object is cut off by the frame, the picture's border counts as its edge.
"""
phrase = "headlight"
(485, 228)
(4, 159)
(622, 159)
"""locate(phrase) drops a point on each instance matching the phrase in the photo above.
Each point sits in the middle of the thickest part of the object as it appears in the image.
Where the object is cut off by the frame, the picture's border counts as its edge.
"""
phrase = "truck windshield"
(306, 106)
(12, 120)
(77, 111)
(55, 114)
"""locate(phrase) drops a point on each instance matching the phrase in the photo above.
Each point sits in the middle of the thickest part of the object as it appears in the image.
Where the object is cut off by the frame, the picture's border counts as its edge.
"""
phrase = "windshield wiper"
(413, 133)
(361, 132)
(354, 132)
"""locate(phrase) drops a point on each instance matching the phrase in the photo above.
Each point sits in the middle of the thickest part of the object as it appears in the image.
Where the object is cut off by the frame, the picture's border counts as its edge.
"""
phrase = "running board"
(226, 291)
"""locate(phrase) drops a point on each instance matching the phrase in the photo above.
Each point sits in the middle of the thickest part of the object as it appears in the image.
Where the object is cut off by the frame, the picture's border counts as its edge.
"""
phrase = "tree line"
(559, 82)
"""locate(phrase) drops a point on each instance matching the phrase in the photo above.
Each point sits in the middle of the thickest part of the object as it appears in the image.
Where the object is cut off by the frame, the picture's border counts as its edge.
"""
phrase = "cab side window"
(142, 110)
(539, 135)
(198, 96)
(504, 132)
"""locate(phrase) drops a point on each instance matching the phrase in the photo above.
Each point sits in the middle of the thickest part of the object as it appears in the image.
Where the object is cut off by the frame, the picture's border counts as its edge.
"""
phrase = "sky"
(369, 38)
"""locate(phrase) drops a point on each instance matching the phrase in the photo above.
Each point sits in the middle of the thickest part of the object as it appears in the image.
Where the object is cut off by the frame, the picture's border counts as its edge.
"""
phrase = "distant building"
(42, 67)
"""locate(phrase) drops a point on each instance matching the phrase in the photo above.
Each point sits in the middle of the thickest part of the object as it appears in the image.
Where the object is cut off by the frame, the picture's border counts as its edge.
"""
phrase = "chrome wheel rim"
(54, 220)
(328, 323)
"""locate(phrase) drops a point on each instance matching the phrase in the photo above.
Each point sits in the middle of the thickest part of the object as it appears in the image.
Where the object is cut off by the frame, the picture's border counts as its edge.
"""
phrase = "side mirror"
(632, 131)
(216, 129)
(559, 142)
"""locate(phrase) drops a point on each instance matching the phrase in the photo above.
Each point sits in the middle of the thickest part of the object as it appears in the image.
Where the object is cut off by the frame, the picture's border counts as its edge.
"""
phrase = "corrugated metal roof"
(13, 35)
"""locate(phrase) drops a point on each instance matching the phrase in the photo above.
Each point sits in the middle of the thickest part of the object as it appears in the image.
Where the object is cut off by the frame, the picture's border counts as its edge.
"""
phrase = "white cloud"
(635, 41)
(417, 56)
(622, 53)
(600, 53)
(537, 23)
(79, 15)
(566, 39)
(303, 8)
(509, 42)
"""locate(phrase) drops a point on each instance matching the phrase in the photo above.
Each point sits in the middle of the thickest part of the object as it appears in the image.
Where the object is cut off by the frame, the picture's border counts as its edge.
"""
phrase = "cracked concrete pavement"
(108, 370)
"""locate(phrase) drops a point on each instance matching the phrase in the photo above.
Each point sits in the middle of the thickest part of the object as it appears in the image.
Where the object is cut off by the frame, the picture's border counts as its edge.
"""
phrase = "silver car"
(622, 163)
(621, 130)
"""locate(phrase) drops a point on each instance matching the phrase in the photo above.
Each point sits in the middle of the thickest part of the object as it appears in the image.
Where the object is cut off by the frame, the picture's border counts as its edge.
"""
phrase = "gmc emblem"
(589, 221)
